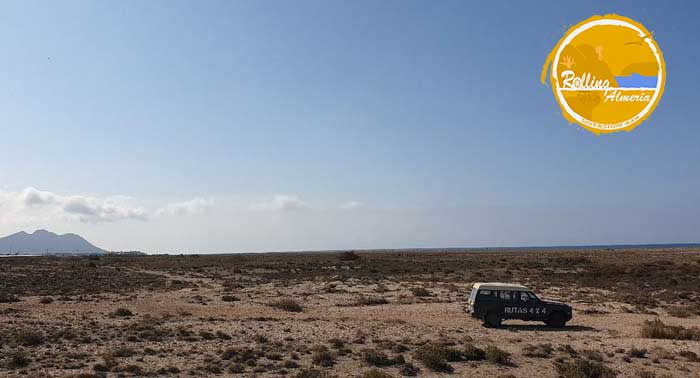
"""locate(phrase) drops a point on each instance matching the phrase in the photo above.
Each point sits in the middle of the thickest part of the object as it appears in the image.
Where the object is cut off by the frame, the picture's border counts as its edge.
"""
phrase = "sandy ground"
(329, 313)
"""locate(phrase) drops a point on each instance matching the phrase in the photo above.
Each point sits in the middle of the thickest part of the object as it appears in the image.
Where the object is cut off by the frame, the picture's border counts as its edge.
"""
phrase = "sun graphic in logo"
(607, 74)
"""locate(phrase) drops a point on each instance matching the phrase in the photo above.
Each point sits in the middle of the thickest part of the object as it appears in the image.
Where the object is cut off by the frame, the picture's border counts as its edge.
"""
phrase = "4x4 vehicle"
(494, 302)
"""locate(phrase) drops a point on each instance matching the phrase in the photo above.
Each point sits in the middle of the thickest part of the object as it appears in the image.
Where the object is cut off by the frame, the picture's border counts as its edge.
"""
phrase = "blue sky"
(223, 126)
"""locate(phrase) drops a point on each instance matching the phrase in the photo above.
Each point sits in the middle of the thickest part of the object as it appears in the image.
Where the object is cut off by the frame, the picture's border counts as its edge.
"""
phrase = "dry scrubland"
(367, 314)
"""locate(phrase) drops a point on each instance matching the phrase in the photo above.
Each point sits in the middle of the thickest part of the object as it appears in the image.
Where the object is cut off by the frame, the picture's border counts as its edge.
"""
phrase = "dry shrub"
(123, 352)
(349, 256)
(376, 373)
(538, 350)
(656, 329)
(236, 368)
(290, 364)
(420, 292)
(579, 368)
(378, 358)
(409, 370)
(496, 355)
(592, 355)
(287, 304)
(134, 369)
(689, 355)
(17, 360)
(323, 357)
(337, 343)
(680, 311)
(637, 353)
(122, 312)
(8, 298)
(473, 353)
(370, 301)
(436, 356)
(311, 373)
(29, 338)
(239, 355)
(229, 298)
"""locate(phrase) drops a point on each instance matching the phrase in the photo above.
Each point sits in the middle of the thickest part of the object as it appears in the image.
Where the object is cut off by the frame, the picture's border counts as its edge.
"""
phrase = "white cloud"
(281, 202)
(351, 205)
(32, 204)
(193, 206)
(34, 197)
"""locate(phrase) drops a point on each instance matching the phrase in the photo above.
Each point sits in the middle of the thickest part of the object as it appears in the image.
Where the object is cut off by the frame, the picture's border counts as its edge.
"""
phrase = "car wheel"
(492, 320)
(556, 320)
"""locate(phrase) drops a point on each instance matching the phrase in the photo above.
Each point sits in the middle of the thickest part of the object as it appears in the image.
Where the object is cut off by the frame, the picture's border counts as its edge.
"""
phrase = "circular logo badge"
(607, 74)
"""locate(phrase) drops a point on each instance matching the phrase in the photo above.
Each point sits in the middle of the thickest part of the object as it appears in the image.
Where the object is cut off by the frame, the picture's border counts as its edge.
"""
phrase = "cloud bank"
(281, 202)
(194, 206)
(34, 205)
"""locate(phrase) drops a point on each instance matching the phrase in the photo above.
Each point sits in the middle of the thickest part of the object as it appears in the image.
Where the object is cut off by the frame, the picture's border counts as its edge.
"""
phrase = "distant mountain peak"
(42, 242)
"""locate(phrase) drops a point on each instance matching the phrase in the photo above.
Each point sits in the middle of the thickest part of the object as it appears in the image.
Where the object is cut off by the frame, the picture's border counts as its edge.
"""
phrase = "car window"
(532, 296)
(523, 296)
(486, 294)
(505, 295)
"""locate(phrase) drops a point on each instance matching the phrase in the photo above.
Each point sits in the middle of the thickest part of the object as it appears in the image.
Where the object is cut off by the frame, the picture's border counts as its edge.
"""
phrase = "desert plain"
(370, 314)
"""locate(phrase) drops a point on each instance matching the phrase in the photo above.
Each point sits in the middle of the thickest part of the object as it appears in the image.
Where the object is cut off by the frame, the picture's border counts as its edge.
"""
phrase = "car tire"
(556, 320)
(492, 320)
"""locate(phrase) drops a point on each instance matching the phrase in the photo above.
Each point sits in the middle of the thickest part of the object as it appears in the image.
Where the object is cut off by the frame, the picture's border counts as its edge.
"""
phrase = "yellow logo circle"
(607, 73)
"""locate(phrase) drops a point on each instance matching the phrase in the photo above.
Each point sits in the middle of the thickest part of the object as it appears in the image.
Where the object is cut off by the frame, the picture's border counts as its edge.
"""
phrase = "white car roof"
(499, 286)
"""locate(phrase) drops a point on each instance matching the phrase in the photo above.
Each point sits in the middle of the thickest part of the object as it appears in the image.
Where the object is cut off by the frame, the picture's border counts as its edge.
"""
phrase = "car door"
(539, 308)
(527, 306)
(485, 301)
(507, 305)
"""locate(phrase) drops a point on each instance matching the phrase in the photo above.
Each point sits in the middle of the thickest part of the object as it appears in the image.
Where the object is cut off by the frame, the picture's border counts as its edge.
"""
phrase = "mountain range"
(44, 242)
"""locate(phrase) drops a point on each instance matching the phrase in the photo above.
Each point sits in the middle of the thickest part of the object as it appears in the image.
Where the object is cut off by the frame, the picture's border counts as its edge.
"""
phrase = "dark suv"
(494, 302)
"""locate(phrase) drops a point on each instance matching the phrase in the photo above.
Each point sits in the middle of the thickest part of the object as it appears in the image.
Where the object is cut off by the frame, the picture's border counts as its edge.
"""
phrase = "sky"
(234, 126)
